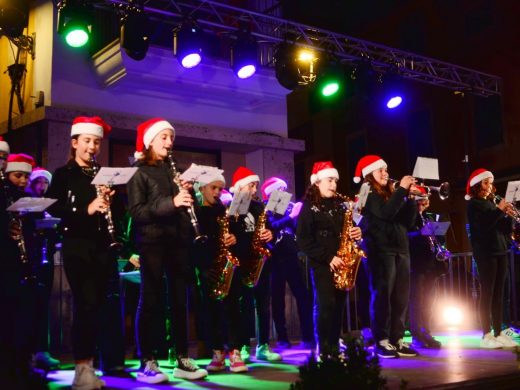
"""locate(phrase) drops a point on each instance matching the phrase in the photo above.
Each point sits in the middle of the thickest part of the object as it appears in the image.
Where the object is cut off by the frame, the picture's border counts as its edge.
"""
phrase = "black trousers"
(45, 277)
(287, 268)
(389, 289)
(492, 274)
(158, 260)
(422, 298)
(329, 304)
(257, 299)
(97, 322)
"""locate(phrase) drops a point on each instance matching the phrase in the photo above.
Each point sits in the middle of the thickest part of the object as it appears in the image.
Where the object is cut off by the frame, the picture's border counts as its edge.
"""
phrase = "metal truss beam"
(269, 29)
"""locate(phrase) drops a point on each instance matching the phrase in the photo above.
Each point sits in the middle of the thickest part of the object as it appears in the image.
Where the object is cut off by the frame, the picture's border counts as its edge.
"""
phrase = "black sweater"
(203, 254)
(318, 230)
(150, 203)
(489, 227)
(72, 188)
(243, 228)
(385, 223)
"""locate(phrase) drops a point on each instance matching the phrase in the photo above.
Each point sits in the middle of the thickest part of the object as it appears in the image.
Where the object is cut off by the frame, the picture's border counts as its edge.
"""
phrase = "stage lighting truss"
(75, 21)
(244, 55)
(135, 31)
(188, 44)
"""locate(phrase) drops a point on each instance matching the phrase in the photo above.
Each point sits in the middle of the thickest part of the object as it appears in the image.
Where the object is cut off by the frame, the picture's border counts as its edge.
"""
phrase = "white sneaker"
(85, 378)
(490, 342)
(188, 369)
(151, 373)
(506, 340)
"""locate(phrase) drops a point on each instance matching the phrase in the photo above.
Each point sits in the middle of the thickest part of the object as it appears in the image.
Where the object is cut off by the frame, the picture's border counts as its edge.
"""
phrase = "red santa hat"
(19, 163)
(226, 197)
(476, 177)
(323, 169)
(4, 146)
(242, 177)
(40, 172)
(271, 184)
(421, 193)
(367, 165)
(90, 125)
(147, 131)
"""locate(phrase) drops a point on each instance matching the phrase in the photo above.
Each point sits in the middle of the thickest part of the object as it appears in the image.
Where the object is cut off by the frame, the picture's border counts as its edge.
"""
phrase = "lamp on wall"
(75, 22)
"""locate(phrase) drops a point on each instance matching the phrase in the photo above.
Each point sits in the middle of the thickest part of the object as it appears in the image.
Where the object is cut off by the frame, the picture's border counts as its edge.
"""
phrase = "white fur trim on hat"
(86, 128)
(40, 173)
(138, 155)
(155, 129)
(243, 182)
(210, 178)
(329, 172)
(15, 166)
(481, 176)
(4, 147)
(373, 167)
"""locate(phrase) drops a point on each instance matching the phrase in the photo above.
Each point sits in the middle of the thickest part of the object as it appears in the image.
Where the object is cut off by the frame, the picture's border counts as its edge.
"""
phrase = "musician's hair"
(72, 153)
(384, 191)
(149, 157)
(475, 191)
(313, 195)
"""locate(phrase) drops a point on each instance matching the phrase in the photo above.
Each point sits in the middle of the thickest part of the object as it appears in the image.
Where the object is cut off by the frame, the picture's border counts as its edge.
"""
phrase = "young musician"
(206, 259)
(164, 234)
(4, 152)
(257, 298)
(387, 216)
(490, 229)
(424, 272)
(287, 268)
(89, 264)
(17, 290)
(45, 241)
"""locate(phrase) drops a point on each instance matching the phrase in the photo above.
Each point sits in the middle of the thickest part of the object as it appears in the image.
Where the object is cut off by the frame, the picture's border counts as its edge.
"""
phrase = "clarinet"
(20, 240)
(94, 169)
(199, 237)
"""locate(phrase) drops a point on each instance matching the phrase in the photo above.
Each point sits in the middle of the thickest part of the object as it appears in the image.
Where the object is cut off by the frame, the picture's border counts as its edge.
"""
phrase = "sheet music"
(109, 176)
(278, 202)
(31, 205)
(513, 192)
(240, 203)
(426, 168)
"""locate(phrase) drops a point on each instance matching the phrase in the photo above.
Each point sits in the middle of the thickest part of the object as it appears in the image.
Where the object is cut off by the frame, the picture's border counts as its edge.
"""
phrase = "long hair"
(312, 194)
(384, 191)
(72, 152)
(149, 157)
(475, 191)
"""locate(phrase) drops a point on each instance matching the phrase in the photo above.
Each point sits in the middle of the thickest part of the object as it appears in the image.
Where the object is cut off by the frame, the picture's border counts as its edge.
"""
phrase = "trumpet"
(513, 212)
(443, 190)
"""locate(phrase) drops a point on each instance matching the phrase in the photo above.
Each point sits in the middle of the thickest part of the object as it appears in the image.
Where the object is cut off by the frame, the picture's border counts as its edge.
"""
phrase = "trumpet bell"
(444, 190)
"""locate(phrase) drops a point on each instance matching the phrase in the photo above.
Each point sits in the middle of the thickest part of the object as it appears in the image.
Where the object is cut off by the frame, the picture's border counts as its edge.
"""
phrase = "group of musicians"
(168, 219)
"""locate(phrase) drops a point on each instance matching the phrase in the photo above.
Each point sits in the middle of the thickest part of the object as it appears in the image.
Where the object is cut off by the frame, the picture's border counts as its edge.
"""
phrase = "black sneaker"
(403, 349)
(432, 343)
(188, 369)
(385, 350)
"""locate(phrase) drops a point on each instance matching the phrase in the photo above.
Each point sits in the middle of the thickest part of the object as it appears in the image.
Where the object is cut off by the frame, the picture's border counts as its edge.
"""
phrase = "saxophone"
(349, 252)
(223, 267)
(259, 255)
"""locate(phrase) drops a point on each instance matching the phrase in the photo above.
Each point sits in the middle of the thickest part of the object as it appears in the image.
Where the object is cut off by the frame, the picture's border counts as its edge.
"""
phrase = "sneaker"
(85, 378)
(188, 369)
(264, 353)
(511, 333)
(490, 342)
(218, 363)
(425, 340)
(151, 373)
(45, 361)
(403, 349)
(431, 341)
(385, 350)
(506, 340)
(236, 364)
(245, 353)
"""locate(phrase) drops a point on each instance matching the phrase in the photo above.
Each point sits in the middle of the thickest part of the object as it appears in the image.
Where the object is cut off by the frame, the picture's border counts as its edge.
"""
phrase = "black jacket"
(318, 230)
(150, 203)
(72, 188)
(10, 257)
(203, 254)
(489, 227)
(284, 233)
(243, 228)
(422, 258)
(385, 224)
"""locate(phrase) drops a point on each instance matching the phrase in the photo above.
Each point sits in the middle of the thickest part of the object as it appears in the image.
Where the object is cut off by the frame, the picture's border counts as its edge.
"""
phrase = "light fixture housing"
(295, 65)
(134, 34)
(188, 44)
(244, 55)
(14, 16)
(392, 90)
(75, 22)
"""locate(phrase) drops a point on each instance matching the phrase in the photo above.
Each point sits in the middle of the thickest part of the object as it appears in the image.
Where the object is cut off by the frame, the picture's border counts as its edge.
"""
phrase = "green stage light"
(330, 88)
(77, 34)
(75, 21)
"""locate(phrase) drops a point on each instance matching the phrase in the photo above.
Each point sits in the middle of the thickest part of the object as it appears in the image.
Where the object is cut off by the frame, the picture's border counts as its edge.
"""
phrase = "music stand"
(278, 202)
(435, 228)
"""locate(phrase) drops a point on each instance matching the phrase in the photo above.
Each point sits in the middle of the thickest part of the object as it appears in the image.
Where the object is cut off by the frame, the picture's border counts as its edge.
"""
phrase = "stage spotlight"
(14, 15)
(295, 65)
(452, 316)
(134, 34)
(187, 44)
(75, 22)
(392, 91)
(244, 55)
(364, 80)
(331, 80)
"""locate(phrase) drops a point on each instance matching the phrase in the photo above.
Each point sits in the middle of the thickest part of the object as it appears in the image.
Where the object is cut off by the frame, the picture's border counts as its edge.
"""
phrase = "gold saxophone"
(349, 252)
(252, 268)
(223, 267)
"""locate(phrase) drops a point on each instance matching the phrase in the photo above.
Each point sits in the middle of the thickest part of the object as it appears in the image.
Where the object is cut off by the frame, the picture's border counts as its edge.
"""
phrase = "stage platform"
(459, 364)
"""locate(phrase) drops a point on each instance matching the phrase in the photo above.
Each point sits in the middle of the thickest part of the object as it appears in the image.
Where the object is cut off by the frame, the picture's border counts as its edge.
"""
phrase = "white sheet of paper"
(240, 203)
(278, 202)
(114, 176)
(513, 191)
(435, 228)
(426, 168)
(197, 172)
(31, 205)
